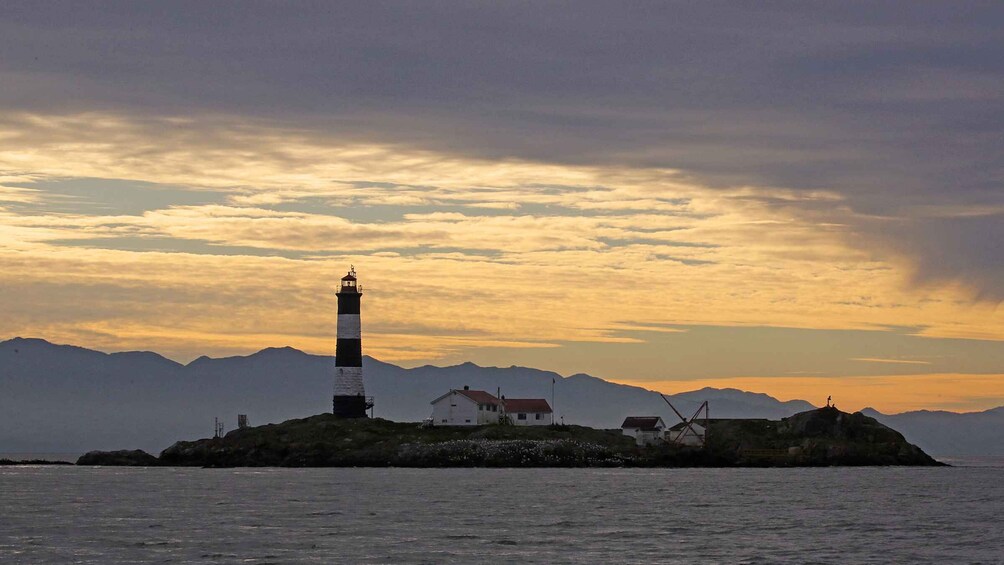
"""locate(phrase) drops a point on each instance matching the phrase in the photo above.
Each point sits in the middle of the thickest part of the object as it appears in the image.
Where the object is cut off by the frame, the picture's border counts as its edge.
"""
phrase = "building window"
(444, 420)
(495, 407)
(468, 421)
(538, 415)
(521, 416)
(481, 407)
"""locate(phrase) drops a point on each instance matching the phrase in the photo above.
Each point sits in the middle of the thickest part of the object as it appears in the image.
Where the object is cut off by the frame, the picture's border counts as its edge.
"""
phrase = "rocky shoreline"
(823, 437)
(12, 462)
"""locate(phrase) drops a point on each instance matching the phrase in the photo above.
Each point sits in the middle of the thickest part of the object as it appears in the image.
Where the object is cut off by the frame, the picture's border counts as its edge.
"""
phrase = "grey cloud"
(893, 105)
(966, 250)
(109, 196)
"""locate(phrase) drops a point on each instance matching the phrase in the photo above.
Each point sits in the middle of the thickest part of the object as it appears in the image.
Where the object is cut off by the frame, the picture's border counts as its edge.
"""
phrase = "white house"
(466, 408)
(528, 411)
(682, 435)
(646, 430)
(476, 408)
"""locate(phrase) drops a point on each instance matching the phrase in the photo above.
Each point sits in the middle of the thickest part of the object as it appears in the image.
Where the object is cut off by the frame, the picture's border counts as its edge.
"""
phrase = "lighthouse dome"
(349, 282)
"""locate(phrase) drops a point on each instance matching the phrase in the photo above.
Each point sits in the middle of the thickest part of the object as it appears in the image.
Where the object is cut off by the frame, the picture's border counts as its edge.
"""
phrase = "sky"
(803, 199)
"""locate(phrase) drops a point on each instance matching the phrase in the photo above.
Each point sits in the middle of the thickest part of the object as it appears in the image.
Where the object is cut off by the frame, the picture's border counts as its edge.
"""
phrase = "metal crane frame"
(690, 423)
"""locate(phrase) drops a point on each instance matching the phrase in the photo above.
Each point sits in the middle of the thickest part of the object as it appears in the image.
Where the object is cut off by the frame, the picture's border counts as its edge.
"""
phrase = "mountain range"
(62, 398)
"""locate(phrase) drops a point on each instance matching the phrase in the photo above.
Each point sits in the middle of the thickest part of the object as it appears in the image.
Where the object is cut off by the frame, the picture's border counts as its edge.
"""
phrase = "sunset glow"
(189, 226)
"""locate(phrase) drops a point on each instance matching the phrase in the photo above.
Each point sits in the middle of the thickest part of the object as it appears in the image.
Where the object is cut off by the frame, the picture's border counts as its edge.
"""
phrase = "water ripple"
(844, 515)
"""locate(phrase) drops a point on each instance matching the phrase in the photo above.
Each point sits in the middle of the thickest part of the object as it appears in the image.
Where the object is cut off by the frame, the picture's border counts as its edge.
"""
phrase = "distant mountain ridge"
(66, 398)
(950, 433)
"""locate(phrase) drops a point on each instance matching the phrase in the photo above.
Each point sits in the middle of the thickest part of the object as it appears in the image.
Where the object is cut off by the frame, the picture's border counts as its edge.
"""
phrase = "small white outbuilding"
(528, 411)
(646, 430)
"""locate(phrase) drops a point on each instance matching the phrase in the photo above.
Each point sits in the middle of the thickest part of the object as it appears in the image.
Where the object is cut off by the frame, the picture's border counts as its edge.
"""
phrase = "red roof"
(524, 405)
(480, 396)
(647, 423)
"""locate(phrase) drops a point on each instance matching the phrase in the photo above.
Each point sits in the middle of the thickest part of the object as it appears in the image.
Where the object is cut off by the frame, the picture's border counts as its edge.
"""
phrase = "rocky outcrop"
(328, 441)
(821, 437)
(123, 458)
(4, 462)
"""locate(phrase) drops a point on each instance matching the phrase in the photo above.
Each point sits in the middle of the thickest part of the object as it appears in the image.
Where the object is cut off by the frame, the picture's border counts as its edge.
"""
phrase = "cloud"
(889, 108)
(195, 181)
(894, 361)
(415, 221)
(9, 194)
(458, 281)
(965, 250)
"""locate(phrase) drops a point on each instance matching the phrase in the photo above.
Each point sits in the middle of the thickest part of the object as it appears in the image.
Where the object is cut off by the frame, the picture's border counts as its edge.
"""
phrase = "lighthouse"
(350, 397)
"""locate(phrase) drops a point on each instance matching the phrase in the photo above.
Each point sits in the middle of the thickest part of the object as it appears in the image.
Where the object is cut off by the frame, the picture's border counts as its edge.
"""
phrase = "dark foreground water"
(840, 515)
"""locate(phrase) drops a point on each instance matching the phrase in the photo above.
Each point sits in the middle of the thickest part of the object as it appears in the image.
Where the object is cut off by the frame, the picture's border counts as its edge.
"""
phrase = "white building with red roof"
(466, 407)
(528, 411)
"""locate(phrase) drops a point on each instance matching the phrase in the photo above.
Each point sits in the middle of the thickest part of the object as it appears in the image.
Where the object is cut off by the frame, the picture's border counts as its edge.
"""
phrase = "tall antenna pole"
(552, 401)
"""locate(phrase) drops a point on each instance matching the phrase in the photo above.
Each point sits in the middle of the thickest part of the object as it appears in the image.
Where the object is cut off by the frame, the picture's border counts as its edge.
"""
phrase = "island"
(822, 437)
(32, 462)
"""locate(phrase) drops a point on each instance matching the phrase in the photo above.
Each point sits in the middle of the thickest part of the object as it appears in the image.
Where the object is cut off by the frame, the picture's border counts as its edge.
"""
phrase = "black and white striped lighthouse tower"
(350, 397)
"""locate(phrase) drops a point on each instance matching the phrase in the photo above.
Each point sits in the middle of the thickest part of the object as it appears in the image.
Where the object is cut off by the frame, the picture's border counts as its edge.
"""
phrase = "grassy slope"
(326, 440)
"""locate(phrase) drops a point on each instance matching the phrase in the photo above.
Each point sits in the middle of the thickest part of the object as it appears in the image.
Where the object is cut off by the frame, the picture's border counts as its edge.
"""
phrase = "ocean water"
(174, 515)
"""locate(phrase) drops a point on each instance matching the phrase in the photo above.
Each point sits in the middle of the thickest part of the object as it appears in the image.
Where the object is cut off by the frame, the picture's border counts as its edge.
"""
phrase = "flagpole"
(552, 401)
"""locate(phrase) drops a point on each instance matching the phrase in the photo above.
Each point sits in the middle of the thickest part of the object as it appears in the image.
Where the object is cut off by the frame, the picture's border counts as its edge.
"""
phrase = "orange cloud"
(538, 255)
